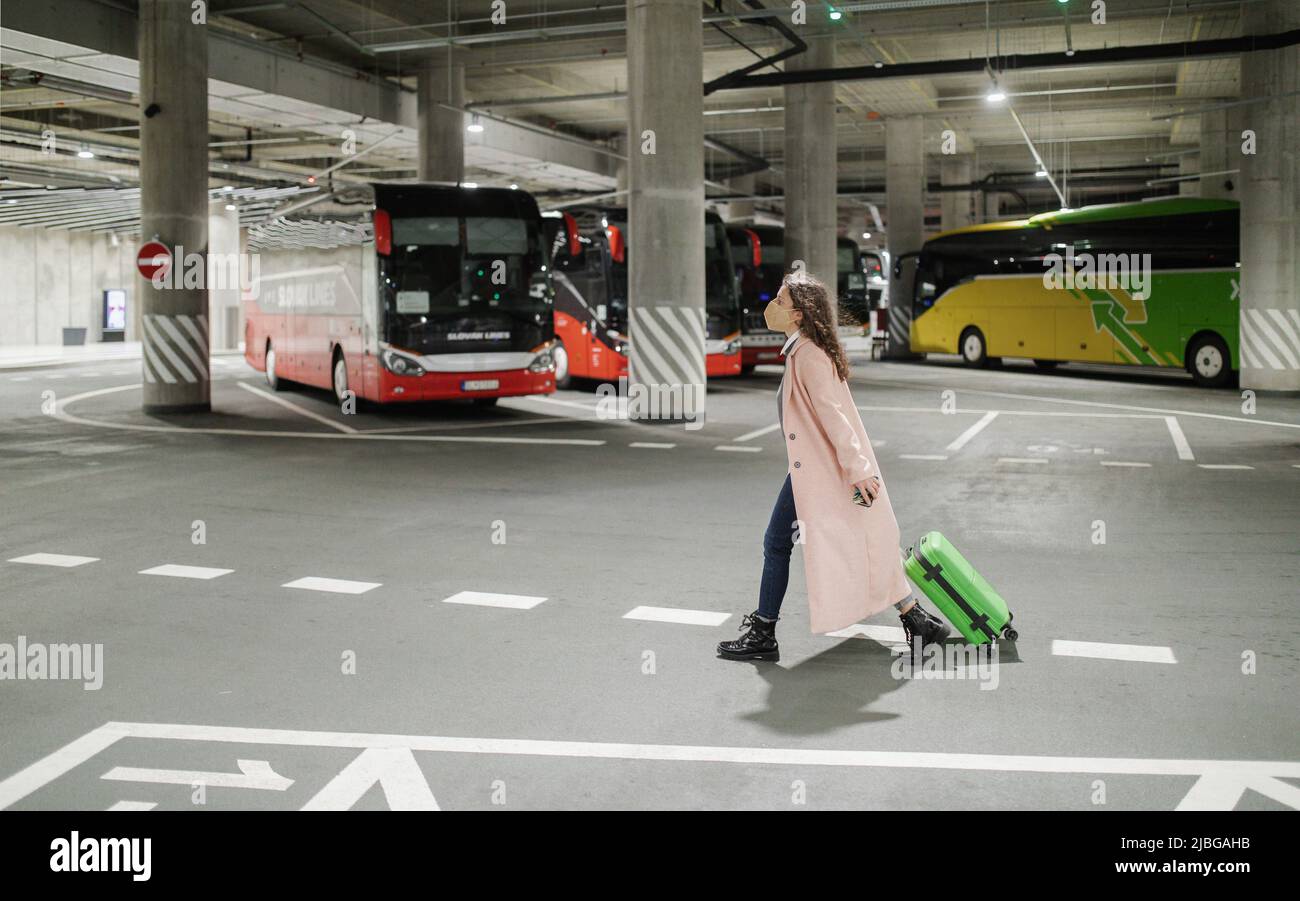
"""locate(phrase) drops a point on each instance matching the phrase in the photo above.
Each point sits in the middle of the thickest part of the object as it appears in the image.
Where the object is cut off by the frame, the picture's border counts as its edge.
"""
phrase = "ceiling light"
(469, 184)
(231, 207)
(474, 124)
(995, 95)
(836, 15)
(514, 187)
(86, 153)
(1041, 173)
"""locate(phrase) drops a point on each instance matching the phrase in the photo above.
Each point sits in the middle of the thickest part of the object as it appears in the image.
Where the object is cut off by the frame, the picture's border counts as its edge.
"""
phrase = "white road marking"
(337, 586)
(656, 445)
(923, 456)
(1122, 463)
(882, 634)
(54, 560)
(1022, 459)
(301, 411)
(1180, 440)
(394, 769)
(491, 599)
(61, 413)
(739, 450)
(134, 805)
(962, 439)
(1140, 653)
(178, 571)
(678, 615)
(255, 774)
(757, 432)
(1261, 775)
(1224, 466)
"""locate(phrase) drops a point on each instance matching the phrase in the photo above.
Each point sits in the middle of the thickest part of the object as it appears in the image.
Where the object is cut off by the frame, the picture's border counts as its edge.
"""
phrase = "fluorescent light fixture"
(1041, 173)
(86, 153)
(231, 207)
(996, 95)
(469, 184)
(474, 124)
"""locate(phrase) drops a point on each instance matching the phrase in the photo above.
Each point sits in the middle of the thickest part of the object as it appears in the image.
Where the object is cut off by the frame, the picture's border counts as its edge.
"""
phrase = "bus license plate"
(480, 385)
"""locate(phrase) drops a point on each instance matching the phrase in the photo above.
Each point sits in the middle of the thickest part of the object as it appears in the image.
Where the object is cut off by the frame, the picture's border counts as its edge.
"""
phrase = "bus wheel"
(974, 352)
(486, 401)
(1046, 364)
(273, 380)
(561, 358)
(1207, 361)
(747, 369)
(340, 378)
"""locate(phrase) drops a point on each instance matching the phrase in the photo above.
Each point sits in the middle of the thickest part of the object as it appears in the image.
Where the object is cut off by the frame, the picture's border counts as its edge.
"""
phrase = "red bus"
(405, 292)
(589, 251)
(758, 254)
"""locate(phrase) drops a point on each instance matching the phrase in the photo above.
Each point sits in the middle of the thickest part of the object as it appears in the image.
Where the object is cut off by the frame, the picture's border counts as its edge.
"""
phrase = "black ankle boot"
(917, 623)
(759, 643)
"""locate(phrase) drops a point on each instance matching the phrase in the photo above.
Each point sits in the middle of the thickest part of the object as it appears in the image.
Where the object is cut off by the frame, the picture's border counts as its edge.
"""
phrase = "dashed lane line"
(923, 456)
(1134, 652)
(653, 445)
(1022, 459)
(179, 571)
(64, 560)
(493, 599)
(679, 615)
(739, 449)
(1123, 463)
(334, 586)
(1224, 466)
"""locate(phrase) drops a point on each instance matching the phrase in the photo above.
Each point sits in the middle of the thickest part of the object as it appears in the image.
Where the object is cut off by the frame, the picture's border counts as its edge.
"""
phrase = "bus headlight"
(543, 362)
(400, 364)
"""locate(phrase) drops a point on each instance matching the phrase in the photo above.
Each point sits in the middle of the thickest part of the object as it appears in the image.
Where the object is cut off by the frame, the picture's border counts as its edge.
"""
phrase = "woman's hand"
(869, 487)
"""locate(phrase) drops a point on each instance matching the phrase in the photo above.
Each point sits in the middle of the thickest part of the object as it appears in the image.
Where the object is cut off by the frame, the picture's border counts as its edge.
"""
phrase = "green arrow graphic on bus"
(1108, 314)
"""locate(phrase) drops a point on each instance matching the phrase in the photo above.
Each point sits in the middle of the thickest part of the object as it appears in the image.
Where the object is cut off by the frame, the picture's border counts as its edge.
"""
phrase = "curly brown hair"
(811, 298)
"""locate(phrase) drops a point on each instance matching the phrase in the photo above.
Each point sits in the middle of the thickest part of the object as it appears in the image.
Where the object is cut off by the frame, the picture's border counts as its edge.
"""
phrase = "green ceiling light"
(835, 14)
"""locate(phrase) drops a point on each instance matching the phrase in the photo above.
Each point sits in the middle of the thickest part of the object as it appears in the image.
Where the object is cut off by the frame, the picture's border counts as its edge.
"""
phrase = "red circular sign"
(153, 257)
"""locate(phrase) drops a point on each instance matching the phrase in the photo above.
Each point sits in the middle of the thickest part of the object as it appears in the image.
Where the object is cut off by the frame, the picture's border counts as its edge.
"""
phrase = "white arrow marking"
(252, 774)
(394, 769)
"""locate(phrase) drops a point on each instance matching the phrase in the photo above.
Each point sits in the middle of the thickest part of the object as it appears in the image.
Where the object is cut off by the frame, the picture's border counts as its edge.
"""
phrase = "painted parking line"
(1122, 463)
(757, 433)
(301, 411)
(961, 440)
(54, 560)
(494, 599)
(1224, 466)
(743, 449)
(179, 571)
(653, 445)
(134, 805)
(677, 615)
(883, 634)
(1140, 653)
(336, 586)
(923, 456)
(1022, 459)
(1219, 783)
(1180, 440)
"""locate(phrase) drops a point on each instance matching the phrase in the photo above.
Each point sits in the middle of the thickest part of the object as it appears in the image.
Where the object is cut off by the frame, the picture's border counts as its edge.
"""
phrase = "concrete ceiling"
(291, 78)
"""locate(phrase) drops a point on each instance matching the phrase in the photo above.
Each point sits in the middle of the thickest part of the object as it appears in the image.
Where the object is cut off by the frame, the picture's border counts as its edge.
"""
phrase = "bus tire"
(974, 350)
(746, 368)
(560, 355)
(486, 402)
(273, 380)
(1046, 364)
(339, 377)
(1208, 360)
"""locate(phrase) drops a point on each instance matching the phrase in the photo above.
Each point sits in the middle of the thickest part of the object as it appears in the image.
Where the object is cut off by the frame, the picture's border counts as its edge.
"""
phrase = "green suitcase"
(968, 601)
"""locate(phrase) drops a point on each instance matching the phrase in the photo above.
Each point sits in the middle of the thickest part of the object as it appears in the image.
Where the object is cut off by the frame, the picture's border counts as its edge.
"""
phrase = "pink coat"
(851, 553)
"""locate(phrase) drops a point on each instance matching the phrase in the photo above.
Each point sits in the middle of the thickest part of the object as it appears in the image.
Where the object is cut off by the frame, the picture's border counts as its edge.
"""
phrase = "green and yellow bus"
(1153, 283)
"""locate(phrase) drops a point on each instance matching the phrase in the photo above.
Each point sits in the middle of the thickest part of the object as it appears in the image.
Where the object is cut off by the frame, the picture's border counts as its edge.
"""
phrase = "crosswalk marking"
(179, 571)
(491, 599)
(1135, 652)
(64, 560)
(678, 615)
(337, 586)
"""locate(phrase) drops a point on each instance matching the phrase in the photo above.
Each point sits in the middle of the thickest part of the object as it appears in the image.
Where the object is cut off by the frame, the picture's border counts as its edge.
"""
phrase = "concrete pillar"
(174, 205)
(1189, 164)
(956, 207)
(1220, 151)
(905, 202)
(665, 68)
(811, 217)
(992, 206)
(1270, 206)
(441, 84)
(740, 209)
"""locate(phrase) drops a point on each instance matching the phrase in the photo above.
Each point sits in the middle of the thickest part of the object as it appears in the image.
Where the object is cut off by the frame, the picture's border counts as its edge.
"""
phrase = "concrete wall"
(50, 279)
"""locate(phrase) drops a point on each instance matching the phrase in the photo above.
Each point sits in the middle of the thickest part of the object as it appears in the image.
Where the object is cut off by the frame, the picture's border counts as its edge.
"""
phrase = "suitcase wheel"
(1009, 633)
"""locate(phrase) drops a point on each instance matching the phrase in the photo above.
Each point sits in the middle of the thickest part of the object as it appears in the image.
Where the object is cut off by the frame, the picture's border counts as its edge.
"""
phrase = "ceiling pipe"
(1028, 61)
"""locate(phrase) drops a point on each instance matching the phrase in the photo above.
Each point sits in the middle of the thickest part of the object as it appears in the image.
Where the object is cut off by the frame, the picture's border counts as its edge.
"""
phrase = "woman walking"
(844, 519)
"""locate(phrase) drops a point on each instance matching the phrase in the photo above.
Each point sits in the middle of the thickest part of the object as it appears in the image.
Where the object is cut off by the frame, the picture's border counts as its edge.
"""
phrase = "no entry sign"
(154, 257)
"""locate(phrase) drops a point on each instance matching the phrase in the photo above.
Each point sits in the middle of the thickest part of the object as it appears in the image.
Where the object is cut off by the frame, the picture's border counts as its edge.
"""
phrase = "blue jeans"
(778, 543)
